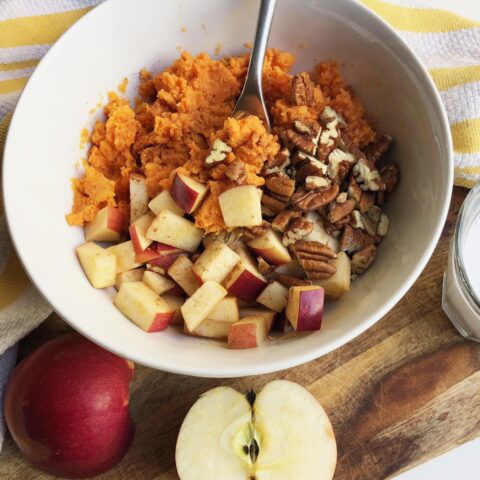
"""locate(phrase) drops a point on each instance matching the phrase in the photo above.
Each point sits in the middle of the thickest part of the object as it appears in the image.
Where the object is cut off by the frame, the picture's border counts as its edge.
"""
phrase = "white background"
(461, 463)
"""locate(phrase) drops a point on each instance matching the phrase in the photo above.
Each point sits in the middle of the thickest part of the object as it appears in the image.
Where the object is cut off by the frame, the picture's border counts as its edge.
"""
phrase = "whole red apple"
(66, 406)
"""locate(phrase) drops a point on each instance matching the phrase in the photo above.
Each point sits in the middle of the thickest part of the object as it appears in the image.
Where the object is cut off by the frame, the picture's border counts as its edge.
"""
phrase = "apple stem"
(250, 395)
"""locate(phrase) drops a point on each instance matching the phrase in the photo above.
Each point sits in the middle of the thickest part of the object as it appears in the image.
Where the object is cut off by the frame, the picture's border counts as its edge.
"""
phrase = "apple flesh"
(144, 307)
(338, 284)
(305, 308)
(245, 282)
(99, 265)
(164, 201)
(181, 271)
(241, 206)
(138, 196)
(274, 297)
(138, 230)
(129, 276)
(106, 227)
(176, 231)
(249, 332)
(269, 246)
(292, 432)
(268, 315)
(125, 255)
(156, 282)
(210, 329)
(53, 412)
(215, 262)
(187, 192)
(175, 302)
(225, 310)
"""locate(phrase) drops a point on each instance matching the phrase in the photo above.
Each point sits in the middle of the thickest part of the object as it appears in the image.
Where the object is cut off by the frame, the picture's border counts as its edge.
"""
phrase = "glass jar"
(461, 282)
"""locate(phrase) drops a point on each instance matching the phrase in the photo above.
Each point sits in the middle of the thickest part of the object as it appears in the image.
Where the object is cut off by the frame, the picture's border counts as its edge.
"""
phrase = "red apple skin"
(247, 287)
(165, 261)
(66, 406)
(310, 313)
(161, 322)
(241, 337)
(115, 219)
(176, 291)
(185, 196)
(147, 255)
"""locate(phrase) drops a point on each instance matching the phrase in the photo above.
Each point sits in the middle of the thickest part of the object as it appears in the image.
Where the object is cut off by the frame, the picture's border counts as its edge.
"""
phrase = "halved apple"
(181, 271)
(305, 307)
(176, 303)
(268, 315)
(338, 284)
(210, 329)
(144, 307)
(187, 192)
(241, 206)
(106, 227)
(125, 256)
(269, 246)
(201, 303)
(286, 429)
(274, 296)
(129, 276)
(249, 332)
(176, 231)
(215, 262)
(245, 282)
(156, 282)
(225, 310)
(99, 264)
(138, 230)
(165, 201)
(138, 196)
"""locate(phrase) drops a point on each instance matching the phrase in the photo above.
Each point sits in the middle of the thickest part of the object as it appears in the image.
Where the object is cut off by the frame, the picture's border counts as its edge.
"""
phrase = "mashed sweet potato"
(179, 114)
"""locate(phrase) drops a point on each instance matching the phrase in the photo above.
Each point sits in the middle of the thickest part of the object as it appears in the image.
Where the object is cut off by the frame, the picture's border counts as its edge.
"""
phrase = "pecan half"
(367, 176)
(263, 267)
(338, 211)
(363, 259)
(304, 143)
(315, 258)
(291, 281)
(281, 185)
(277, 163)
(296, 229)
(281, 221)
(314, 199)
(316, 249)
(302, 90)
(310, 168)
(352, 239)
(366, 202)
(377, 149)
(236, 172)
(389, 175)
(273, 204)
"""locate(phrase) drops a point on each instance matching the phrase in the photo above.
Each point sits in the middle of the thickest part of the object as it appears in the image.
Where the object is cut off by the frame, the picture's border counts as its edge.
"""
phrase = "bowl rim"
(302, 357)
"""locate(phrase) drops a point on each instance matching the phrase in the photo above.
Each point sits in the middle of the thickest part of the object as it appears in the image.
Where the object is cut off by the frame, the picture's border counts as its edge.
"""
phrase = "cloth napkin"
(448, 45)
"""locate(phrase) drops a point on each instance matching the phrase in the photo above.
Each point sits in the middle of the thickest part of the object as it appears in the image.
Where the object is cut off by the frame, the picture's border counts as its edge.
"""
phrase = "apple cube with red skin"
(138, 196)
(181, 271)
(226, 310)
(268, 315)
(269, 246)
(210, 329)
(99, 264)
(241, 206)
(245, 282)
(249, 332)
(156, 282)
(106, 227)
(215, 262)
(176, 303)
(187, 192)
(129, 276)
(155, 251)
(164, 201)
(176, 231)
(339, 283)
(305, 307)
(138, 230)
(125, 254)
(144, 307)
(201, 303)
(274, 296)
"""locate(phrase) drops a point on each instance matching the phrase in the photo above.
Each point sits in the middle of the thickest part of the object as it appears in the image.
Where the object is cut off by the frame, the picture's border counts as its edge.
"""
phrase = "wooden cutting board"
(400, 394)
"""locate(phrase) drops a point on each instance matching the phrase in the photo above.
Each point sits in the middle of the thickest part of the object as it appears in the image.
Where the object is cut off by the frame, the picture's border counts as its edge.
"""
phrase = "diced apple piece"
(226, 310)
(166, 261)
(138, 196)
(339, 283)
(210, 329)
(247, 333)
(181, 271)
(176, 231)
(99, 265)
(106, 227)
(201, 303)
(156, 282)
(176, 291)
(129, 276)
(165, 201)
(319, 234)
(215, 263)
(305, 307)
(144, 307)
(241, 206)
(176, 303)
(274, 296)
(157, 250)
(125, 256)
(187, 192)
(245, 282)
(137, 231)
(269, 246)
(268, 315)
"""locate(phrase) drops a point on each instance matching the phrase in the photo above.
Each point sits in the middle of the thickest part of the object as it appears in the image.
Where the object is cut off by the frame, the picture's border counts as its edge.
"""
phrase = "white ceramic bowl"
(119, 38)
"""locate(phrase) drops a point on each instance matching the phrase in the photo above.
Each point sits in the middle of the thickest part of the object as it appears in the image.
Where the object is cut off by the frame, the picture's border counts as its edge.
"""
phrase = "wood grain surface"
(400, 394)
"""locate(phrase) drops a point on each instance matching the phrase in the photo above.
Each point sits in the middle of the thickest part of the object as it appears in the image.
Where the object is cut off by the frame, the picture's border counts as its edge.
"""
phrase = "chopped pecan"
(367, 176)
(389, 175)
(383, 224)
(281, 185)
(263, 267)
(302, 90)
(342, 197)
(353, 190)
(310, 168)
(296, 229)
(381, 198)
(281, 221)
(258, 230)
(218, 153)
(338, 211)
(369, 226)
(267, 212)
(312, 182)
(314, 199)
(328, 114)
(277, 163)
(356, 220)
(352, 239)
(236, 172)
(374, 214)
(304, 143)
(363, 259)
(310, 128)
(377, 149)
(366, 201)
(292, 281)
(273, 204)
(339, 164)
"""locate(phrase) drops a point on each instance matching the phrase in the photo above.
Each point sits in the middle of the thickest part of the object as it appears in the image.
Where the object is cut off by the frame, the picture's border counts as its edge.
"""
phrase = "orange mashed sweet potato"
(179, 114)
